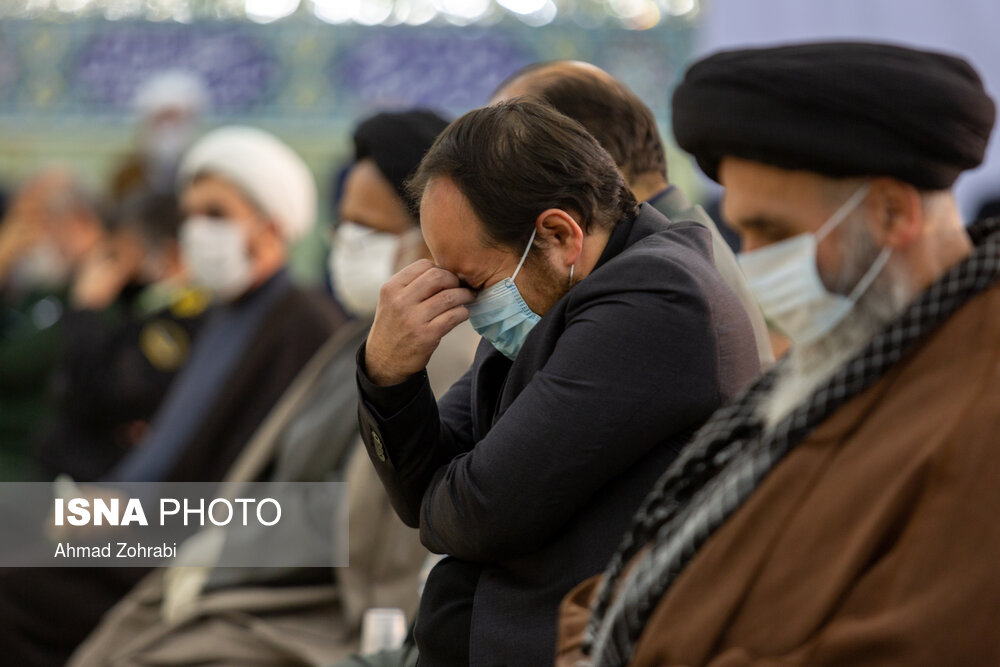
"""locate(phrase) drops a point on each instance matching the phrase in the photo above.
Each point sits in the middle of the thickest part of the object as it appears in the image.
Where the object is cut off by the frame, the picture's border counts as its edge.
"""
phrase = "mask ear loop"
(845, 209)
(873, 271)
(525, 255)
(876, 268)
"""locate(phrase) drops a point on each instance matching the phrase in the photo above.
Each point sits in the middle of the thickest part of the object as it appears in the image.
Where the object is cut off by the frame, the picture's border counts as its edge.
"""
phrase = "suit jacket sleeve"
(409, 435)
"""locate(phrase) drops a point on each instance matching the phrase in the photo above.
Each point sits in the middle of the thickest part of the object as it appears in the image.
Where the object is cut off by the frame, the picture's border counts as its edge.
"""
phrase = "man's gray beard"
(812, 364)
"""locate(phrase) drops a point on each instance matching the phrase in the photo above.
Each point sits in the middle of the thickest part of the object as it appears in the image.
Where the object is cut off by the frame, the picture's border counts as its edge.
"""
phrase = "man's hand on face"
(416, 308)
(104, 273)
(20, 230)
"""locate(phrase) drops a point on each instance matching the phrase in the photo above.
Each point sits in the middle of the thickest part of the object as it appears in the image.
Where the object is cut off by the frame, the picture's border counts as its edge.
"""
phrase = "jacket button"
(377, 444)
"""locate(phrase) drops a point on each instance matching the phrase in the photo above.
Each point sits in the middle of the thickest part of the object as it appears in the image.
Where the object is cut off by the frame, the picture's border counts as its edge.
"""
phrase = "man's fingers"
(444, 301)
(395, 285)
(430, 283)
(418, 306)
(408, 274)
(448, 320)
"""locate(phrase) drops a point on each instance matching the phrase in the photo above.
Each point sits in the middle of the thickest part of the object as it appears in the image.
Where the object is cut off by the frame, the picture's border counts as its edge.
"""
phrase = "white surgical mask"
(786, 282)
(216, 251)
(500, 315)
(361, 261)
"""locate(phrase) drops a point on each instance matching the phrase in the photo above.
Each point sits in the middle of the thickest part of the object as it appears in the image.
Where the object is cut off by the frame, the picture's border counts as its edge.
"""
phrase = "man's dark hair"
(610, 111)
(514, 160)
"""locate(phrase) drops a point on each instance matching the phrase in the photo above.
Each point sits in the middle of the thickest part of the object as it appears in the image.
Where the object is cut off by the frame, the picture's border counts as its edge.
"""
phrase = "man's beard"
(546, 282)
(811, 364)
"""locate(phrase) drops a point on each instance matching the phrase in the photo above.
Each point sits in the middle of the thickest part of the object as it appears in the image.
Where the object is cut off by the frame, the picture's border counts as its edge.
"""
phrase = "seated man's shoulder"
(310, 308)
(686, 242)
(678, 257)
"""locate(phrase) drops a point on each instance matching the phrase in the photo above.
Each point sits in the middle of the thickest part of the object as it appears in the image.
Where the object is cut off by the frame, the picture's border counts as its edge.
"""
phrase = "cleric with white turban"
(245, 195)
(248, 195)
(267, 170)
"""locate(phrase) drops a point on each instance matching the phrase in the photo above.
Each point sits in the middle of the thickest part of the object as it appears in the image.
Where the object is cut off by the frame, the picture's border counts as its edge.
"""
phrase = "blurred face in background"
(162, 262)
(376, 237)
(166, 134)
(76, 229)
(51, 226)
(227, 242)
(137, 251)
(126, 248)
(111, 265)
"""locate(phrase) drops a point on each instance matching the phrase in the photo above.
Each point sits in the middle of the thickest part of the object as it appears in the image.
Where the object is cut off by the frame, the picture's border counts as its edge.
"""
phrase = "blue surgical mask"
(500, 315)
(786, 282)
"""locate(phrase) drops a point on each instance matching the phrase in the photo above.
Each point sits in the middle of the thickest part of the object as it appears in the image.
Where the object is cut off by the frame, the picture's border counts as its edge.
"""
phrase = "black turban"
(396, 142)
(839, 109)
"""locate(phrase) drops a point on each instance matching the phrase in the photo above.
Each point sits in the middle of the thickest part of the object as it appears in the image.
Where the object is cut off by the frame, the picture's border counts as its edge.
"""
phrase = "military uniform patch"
(165, 344)
(191, 303)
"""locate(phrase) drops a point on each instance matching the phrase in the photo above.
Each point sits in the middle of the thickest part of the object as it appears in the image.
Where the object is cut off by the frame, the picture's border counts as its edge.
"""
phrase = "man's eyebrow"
(349, 217)
(208, 210)
(762, 224)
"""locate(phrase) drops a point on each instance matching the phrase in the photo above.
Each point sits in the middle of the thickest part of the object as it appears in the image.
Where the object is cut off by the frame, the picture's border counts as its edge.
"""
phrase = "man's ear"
(271, 228)
(897, 210)
(268, 242)
(562, 233)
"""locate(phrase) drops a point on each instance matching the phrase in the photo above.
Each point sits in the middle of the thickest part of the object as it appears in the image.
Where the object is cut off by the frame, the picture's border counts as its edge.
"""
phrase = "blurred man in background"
(50, 228)
(842, 511)
(376, 228)
(128, 332)
(246, 196)
(626, 128)
(170, 104)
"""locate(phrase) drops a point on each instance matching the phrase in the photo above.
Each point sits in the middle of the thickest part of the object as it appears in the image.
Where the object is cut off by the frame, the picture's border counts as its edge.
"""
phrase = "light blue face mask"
(500, 315)
(786, 282)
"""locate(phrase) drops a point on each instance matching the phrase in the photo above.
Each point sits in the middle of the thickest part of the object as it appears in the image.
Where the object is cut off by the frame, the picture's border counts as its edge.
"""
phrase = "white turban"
(171, 89)
(271, 174)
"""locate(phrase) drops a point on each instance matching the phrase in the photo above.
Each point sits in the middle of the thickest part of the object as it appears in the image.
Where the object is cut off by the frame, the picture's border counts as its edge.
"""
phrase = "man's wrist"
(389, 399)
(373, 369)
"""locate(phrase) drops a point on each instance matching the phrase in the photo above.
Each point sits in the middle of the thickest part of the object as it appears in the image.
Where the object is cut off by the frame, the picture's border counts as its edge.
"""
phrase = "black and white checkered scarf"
(732, 453)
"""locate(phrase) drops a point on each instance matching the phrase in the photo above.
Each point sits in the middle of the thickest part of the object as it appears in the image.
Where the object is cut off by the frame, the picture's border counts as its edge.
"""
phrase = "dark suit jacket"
(297, 325)
(532, 470)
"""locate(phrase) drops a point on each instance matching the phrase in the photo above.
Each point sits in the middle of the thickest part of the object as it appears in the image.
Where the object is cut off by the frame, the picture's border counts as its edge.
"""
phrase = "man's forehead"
(212, 186)
(214, 195)
(756, 193)
(369, 198)
(366, 174)
(453, 231)
(446, 218)
(444, 210)
(758, 181)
